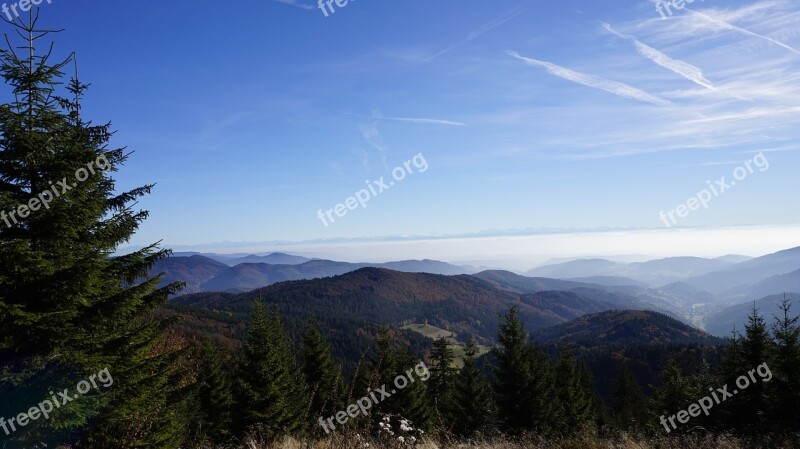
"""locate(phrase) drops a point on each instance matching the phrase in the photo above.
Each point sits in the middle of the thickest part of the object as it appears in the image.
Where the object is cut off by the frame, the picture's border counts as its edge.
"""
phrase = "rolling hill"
(749, 272)
(577, 268)
(644, 341)
(722, 322)
(608, 281)
(193, 270)
(624, 328)
(464, 304)
(506, 280)
(789, 282)
(272, 259)
(653, 273)
(617, 297)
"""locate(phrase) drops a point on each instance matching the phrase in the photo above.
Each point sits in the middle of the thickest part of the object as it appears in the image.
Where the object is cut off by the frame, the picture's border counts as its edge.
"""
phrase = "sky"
(506, 119)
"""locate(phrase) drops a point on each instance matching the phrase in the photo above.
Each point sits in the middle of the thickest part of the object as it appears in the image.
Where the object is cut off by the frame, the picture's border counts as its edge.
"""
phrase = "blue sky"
(561, 115)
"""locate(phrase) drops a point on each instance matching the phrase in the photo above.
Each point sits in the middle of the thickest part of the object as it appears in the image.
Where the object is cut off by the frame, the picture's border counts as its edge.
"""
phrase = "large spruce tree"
(70, 306)
(323, 378)
(412, 401)
(752, 403)
(674, 393)
(511, 372)
(474, 412)
(268, 382)
(786, 371)
(440, 384)
(214, 394)
(524, 381)
(575, 394)
(630, 407)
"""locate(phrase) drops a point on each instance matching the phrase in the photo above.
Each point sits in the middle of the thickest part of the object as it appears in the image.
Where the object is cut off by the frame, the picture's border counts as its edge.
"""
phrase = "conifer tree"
(384, 362)
(729, 413)
(323, 377)
(545, 412)
(410, 402)
(511, 372)
(574, 395)
(524, 381)
(69, 305)
(600, 411)
(268, 382)
(384, 366)
(630, 410)
(675, 392)
(380, 370)
(474, 408)
(757, 348)
(704, 383)
(215, 395)
(786, 371)
(440, 385)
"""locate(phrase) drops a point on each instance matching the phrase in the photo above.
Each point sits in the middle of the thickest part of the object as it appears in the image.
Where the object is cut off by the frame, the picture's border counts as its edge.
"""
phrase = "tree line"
(516, 390)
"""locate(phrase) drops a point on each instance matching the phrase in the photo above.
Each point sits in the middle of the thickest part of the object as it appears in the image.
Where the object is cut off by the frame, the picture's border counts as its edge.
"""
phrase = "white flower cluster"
(406, 436)
(361, 442)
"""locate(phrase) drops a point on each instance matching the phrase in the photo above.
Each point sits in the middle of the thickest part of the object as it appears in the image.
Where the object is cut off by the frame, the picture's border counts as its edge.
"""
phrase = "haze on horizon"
(522, 252)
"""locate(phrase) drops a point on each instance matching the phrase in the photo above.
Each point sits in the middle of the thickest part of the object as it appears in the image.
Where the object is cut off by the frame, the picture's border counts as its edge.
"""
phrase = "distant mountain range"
(467, 305)
(654, 273)
(789, 282)
(700, 288)
(233, 260)
(618, 297)
(749, 272)
(694, 290)
(204, 274)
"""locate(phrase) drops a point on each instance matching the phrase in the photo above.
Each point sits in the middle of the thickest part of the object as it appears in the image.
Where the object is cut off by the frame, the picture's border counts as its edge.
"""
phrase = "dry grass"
(624, 442)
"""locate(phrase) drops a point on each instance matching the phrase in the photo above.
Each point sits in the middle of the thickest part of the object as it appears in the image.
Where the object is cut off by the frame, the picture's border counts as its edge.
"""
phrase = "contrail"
(732, 27)
(424, 121)
(482, 30)
(682, 68)
(614, 87)
(295, 4)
